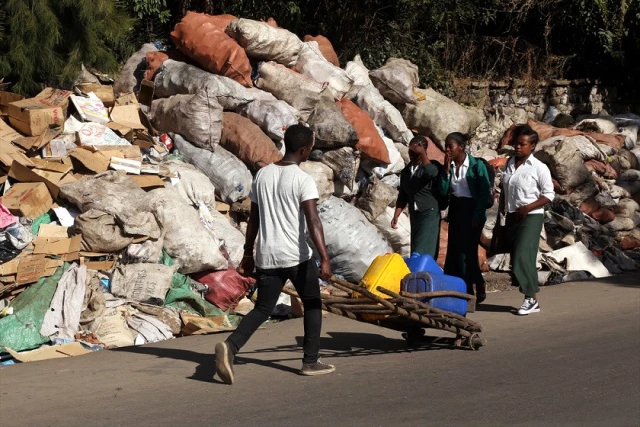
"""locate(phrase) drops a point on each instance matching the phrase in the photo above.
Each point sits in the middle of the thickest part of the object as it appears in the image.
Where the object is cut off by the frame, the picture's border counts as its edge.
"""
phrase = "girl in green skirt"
(526, 188)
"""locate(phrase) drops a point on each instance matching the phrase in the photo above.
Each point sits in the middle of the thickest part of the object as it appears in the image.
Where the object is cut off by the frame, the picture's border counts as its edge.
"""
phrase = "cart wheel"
(475, 342)
(413, 337)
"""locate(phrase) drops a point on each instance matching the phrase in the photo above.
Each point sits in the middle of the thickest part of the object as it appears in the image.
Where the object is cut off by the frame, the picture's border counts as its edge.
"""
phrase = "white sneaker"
(529, 305)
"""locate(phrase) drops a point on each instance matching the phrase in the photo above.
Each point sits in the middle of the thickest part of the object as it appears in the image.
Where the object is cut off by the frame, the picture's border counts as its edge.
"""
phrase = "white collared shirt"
(526, 184)
(459, 184)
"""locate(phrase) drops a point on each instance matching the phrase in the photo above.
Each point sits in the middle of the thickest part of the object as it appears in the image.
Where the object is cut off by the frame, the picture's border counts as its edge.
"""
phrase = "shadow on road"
(496, 308)
(340, 344)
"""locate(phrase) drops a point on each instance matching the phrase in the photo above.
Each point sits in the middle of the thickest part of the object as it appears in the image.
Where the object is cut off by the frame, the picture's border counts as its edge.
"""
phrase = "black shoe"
(317, 368)
(224, 363)
(482, 294)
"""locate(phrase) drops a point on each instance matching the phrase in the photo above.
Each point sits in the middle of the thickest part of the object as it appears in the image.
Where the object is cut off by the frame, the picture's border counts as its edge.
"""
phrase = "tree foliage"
(486, 39)
(46, 41)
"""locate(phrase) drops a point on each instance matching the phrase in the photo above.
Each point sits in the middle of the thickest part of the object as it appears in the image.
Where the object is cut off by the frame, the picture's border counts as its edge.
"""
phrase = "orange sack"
(370, 142)
(326, 48)
(202, 38)
(604, 215)
(246, 141)
(546, 131)
(589, 206)
(155, 60)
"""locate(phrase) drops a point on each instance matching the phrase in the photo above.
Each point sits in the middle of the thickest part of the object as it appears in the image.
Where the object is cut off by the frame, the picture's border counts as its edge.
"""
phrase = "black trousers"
(269, 284)
(462, 246)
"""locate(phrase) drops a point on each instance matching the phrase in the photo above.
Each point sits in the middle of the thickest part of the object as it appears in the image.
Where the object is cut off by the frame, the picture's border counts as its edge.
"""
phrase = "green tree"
(46, 41)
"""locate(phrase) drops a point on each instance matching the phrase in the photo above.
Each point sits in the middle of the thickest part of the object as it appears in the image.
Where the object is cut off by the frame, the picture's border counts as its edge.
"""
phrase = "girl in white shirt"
(527, 188)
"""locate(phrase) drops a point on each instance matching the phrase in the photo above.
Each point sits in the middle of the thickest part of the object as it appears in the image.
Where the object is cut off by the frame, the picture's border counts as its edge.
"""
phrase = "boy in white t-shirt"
(283, 206)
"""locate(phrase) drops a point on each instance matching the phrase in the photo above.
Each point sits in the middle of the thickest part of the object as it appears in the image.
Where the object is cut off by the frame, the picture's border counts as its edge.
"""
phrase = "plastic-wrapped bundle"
(352, 241)
(263, 41)
(197, 117)
(230, 177)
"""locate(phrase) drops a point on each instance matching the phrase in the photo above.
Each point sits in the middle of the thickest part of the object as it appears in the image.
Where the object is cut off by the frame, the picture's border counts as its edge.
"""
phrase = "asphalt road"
(575, 363)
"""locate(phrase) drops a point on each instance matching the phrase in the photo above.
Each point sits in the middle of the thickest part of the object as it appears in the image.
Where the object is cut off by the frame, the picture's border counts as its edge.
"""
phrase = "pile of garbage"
(124, 206)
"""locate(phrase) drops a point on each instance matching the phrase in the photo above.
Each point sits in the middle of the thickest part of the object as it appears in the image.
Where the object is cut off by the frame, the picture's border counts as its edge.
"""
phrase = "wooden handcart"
(404, 312)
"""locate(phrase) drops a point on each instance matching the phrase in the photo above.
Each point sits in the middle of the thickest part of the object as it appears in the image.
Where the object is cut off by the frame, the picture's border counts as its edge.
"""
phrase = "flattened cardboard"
(127, 99)
(53, 231)
(8, 158)
(127, 115)
(7, 133)
(147, 182)
(104, 92)
(128, 151)
(10, 268)
(51, 352)
(49, 165)
(94, 161)
(32, 268)
(57, 245)
(23, 174)
(99, 135)
(124, 131)
(101, 265)
(28, 199)
(36, 142)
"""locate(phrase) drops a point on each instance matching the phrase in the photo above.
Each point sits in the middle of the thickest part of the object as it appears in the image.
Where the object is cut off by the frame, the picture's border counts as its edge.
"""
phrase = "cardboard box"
(28, 199)
(7, 98)
(51, 97)
(22, 173)
(32, 118)
(104, 92)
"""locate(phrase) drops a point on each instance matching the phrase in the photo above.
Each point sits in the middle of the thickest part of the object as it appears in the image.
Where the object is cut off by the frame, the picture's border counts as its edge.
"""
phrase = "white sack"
(400, 238)
(133, 70)
(313, 64)
(230, 177)
(322, 176)
(148, 283)
(352, 241)
(197, 117)
(396, 80)
(63, 317)
(262, 41)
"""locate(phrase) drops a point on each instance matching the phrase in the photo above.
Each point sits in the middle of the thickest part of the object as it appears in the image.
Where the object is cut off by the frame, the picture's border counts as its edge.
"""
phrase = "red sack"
(326, 48)
(499, 162)
(202, 38)
(226, 287)
(155, 60)
(369, 140)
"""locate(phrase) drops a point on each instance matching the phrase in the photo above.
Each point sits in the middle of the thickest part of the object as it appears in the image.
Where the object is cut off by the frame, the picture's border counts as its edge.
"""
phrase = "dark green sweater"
(478, 179)
(417, 189)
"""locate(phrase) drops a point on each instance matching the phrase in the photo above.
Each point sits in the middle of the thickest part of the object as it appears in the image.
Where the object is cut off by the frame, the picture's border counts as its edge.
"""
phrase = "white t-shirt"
(526, 184)
(279, 192)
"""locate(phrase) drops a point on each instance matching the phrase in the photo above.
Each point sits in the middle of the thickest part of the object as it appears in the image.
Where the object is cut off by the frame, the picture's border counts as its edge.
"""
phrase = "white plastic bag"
(400, 238)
